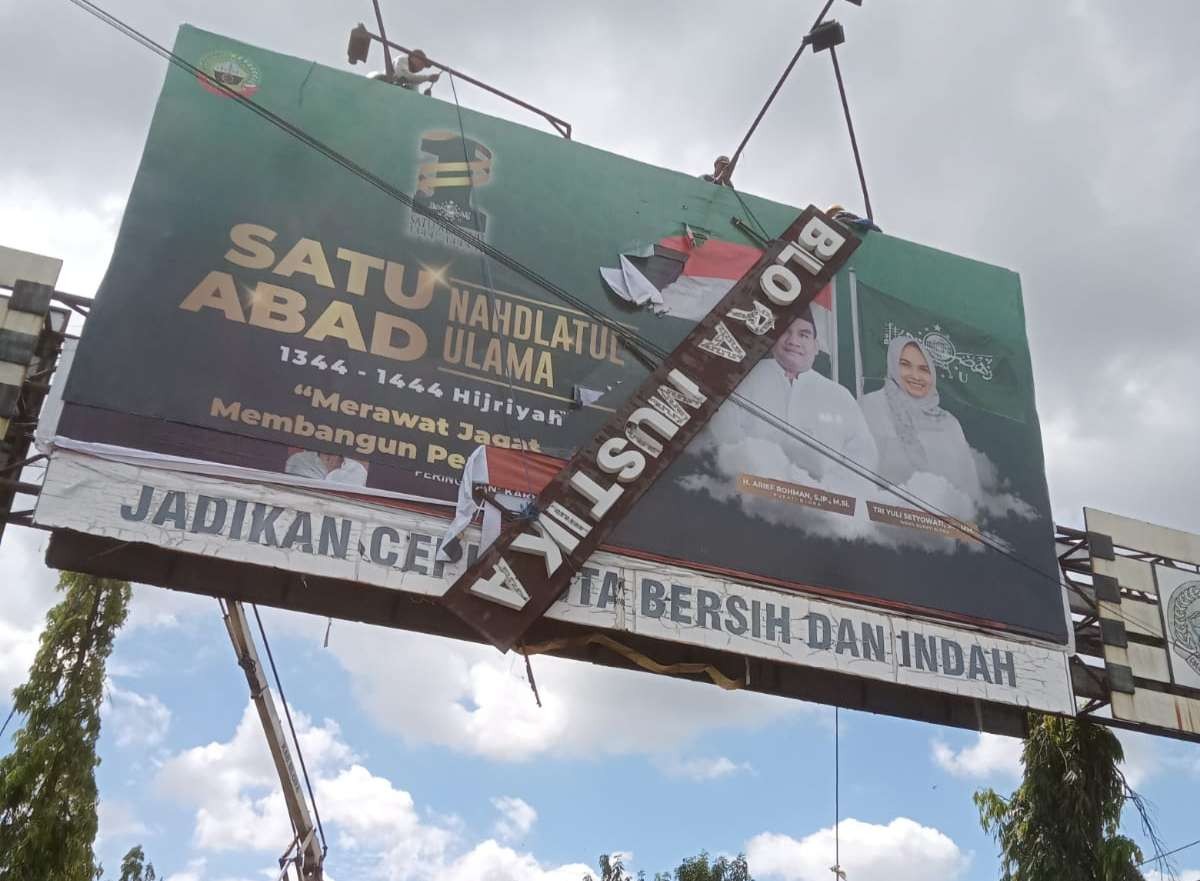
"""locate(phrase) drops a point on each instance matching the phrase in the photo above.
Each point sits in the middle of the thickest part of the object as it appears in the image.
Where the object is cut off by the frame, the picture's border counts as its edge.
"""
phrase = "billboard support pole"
(560, 125)
(387, 52)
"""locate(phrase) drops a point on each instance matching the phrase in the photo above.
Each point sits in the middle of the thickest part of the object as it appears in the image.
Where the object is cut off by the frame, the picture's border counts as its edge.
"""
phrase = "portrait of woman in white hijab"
(912, 431)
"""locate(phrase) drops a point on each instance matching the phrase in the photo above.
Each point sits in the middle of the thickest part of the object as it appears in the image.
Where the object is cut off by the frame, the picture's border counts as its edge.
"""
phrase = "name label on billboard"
(535, 557)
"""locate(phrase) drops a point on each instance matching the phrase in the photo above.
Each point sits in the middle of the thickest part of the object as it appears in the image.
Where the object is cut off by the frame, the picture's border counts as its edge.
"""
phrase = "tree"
(135, 868)
(1061, 823)
(697, 868)
(48, 782)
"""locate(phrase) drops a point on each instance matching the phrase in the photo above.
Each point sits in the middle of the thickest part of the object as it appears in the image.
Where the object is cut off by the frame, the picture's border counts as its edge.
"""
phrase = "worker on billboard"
(912, 431)
(720, 174)
(408, 74)
(786, 386)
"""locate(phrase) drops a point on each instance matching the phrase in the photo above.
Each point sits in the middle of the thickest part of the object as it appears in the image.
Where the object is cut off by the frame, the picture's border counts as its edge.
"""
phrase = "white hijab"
(912, 416)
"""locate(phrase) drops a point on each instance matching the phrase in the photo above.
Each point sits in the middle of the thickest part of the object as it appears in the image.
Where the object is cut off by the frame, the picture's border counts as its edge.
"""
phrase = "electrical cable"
(11, 713)
(644, 350)
(837, 807)
(490, 285)
(1161, 856)
(288, 713)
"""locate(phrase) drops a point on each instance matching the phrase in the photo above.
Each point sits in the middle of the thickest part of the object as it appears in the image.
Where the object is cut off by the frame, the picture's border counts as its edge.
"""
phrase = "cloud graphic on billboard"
(768, 480)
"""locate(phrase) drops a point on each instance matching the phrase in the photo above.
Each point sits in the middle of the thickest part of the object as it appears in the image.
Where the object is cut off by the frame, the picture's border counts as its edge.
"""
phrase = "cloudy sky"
(1055, 139)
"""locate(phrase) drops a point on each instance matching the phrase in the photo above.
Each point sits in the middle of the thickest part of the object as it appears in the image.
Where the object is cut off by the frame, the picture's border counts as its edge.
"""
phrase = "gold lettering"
(277, 308)
(491, 357)
(217, 291)
(252, 239)
(338, 321)
(384, 332)
(360, 269)
(522, 322)
(459, 300)
(545, 371)
(393, 286)
(561, 339)
(520, 366)
(308, 258)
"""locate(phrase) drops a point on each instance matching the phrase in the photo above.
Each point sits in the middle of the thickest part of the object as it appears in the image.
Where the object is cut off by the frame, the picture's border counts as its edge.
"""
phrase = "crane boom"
(309, 856)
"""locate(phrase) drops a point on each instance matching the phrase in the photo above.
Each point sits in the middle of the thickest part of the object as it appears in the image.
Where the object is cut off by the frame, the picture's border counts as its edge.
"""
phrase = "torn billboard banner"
(264, 309)
(379, 546)
(532, 561)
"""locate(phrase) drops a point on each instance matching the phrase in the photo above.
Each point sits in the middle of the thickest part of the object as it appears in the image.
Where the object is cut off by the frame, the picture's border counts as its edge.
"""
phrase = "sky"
(1054, 139)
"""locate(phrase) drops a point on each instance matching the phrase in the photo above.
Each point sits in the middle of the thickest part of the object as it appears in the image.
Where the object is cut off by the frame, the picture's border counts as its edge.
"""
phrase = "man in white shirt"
(407, 73)
(785, 385)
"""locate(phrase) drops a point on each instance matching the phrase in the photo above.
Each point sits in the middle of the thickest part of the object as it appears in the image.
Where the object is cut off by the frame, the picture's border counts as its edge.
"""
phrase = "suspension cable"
(295, 739)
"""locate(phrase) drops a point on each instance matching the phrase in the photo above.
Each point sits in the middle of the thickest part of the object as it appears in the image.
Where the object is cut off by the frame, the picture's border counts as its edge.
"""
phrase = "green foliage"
(135, 868)
(1061, 823)
(48, 782)
(697, 868)
(611, 869)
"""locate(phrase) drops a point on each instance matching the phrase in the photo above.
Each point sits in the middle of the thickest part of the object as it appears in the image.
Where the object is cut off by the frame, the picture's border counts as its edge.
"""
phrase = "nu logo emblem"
(446, 183)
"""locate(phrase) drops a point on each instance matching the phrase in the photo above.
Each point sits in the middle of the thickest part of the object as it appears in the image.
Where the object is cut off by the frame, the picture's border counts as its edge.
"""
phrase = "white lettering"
(779, 283)
(627, 465)
(725, 345)
(654, 419)
(502, 587)
(601, 498)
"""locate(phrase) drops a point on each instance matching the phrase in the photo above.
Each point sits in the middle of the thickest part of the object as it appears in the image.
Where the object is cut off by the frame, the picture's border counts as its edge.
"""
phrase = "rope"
(632, 654)
(288, 713)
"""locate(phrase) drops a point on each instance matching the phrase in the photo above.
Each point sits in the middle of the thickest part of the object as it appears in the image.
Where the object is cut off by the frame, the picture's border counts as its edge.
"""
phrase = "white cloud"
(903, 850)
(472, 699)
(28, 593)
(703, 769)
(517, 817)
(139, 719)
(375, 829)
(35, 219)
(1145, 756)
(991, 755)
(495, 862)
(234, 787)
(1185, 875)
(193, 872)
(118, 822)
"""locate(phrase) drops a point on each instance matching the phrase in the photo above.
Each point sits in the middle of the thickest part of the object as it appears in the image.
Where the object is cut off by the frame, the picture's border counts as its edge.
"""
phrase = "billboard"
(271, 319)
(1146, 582)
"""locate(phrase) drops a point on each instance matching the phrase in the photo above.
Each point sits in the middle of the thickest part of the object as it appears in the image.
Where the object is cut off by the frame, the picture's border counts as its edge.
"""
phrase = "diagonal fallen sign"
(520, 575)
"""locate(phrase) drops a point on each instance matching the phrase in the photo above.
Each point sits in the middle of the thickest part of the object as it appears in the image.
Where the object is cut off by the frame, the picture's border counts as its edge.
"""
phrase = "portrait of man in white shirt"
(785, 385)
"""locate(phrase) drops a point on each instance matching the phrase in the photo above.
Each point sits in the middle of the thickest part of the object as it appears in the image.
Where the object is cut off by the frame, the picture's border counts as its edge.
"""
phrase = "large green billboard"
(266, 308)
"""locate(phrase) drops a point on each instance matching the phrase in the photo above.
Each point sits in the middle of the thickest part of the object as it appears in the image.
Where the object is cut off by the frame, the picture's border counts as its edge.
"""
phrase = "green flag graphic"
(973, 367)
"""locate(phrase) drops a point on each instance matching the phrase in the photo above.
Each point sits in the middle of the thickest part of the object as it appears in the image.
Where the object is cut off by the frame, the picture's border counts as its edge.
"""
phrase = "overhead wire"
(291, 726)
(643, 349)
(837, 793)
(489, 284)
(1161, 856)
